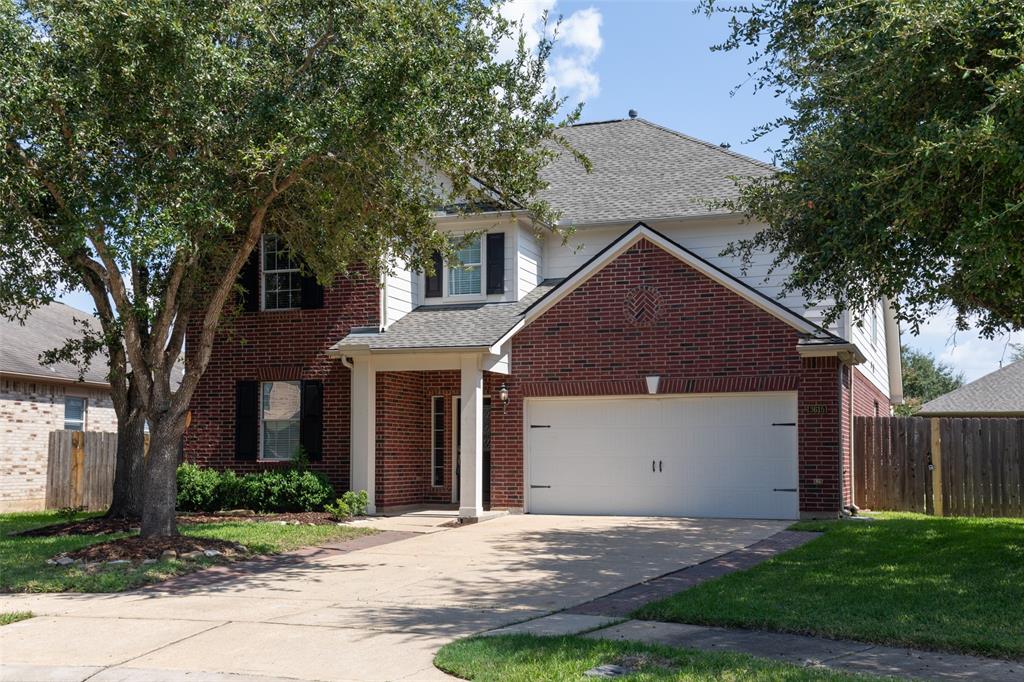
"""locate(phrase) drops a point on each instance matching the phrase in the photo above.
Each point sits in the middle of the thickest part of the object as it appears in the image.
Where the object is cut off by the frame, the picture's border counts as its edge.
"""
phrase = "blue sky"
(654, 57)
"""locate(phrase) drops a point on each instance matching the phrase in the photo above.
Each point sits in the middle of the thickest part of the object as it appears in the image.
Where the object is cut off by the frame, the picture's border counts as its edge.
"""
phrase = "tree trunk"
(129, 467)
(160, 485)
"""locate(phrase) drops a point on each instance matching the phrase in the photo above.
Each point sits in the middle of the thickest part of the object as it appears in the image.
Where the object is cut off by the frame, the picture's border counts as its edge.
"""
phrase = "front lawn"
(23, 565)
(954, 584)
(526, 658)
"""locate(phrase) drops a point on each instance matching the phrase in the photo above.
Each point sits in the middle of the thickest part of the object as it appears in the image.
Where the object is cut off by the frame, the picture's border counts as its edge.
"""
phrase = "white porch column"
(471, 489)
(363, 413)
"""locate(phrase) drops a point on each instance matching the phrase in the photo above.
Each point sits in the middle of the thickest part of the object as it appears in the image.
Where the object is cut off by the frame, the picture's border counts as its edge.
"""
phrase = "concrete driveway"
(379, 613)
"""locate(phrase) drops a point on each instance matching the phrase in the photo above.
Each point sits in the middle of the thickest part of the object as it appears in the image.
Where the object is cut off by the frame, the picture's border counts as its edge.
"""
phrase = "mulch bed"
(102, 526)
(136, 549)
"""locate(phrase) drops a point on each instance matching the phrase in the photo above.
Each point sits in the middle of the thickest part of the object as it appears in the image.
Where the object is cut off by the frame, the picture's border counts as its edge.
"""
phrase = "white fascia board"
(847, 352)
(495, 349)
(701, 266)
(54, 379)
(893, 356)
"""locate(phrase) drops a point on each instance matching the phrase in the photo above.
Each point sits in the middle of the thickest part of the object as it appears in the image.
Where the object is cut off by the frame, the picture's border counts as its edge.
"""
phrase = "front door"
(457, 449)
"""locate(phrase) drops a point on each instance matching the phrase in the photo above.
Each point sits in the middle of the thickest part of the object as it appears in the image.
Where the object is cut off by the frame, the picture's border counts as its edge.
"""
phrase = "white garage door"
(730, 456)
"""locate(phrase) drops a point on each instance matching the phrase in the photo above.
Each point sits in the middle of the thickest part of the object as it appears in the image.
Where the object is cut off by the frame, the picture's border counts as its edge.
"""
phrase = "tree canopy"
(147, 147)
(902, 168)
(924, 379)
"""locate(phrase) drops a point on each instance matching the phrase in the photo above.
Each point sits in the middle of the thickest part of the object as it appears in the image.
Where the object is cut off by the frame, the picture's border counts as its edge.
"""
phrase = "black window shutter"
(311, 426)
(434, 280)
(249, 280)
(247, 411)
(312, 294)
(496, 263)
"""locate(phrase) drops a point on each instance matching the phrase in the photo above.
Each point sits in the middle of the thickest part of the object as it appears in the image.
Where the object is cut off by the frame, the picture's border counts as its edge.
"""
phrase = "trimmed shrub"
(291, 490)
(197, 488)
(339, 511)
(355, 501)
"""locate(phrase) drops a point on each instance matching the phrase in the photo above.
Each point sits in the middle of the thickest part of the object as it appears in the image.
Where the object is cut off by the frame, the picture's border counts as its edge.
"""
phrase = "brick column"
(819, 437)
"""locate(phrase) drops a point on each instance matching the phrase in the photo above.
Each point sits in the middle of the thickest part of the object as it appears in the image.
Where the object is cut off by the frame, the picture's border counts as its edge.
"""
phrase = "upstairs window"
(74, 414)
(464, 275)
(280, 416)
(282, 281)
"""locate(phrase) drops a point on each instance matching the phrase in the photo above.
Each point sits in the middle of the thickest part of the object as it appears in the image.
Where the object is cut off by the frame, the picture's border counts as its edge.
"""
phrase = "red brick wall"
(819, 439)
(404, 448)
(866, 395)
(704, 338)
(281, 345)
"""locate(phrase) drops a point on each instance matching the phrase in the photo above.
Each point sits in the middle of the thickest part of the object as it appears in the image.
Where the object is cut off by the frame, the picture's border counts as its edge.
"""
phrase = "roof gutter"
(54, 379)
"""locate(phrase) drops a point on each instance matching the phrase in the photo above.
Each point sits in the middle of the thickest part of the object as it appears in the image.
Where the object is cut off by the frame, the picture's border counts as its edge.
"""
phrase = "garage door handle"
(540, 426)
(539, 486)
(784, 490)
(783, 423)
(652, 466)
(659, 466)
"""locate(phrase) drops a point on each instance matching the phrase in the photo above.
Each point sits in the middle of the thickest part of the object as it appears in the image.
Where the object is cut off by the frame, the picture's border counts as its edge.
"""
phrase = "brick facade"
(646, 312)
(868, 400)
(281, 345)
(704, 338)
(29, 410)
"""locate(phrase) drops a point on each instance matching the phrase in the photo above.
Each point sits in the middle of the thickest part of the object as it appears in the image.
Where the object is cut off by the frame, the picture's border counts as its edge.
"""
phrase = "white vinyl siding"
(528, 254)
(401, 289)
(871, 343)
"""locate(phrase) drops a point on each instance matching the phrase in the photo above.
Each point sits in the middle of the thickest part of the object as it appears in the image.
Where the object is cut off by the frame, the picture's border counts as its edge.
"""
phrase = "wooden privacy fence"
(80, 469)
(947, 466)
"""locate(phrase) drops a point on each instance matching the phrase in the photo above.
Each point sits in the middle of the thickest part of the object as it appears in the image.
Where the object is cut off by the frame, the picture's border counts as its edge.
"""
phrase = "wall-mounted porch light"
(503, 396)
(652, 383)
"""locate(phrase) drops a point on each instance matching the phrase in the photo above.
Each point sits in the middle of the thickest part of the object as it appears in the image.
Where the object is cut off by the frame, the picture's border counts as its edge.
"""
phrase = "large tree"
(149, 145)
(902, 166)
(924, 379)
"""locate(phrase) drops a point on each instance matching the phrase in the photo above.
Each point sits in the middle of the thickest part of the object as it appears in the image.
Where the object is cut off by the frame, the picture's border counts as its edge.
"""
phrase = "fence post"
(936, 468)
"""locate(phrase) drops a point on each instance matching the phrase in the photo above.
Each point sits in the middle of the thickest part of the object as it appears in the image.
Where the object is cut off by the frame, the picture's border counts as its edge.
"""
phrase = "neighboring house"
(998, 394)
(36, 399)
(632, 370)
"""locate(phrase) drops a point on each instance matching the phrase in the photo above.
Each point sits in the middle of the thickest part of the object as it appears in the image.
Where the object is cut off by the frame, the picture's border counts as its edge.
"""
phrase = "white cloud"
(577, 46)
(966, 351)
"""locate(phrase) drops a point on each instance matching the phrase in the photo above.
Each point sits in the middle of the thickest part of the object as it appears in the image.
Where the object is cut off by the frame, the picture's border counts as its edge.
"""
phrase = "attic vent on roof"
(633, 113)
(725, 145)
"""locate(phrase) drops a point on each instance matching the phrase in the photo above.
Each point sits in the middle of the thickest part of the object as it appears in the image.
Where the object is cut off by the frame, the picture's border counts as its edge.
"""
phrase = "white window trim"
(446, 298)
(433, 442)
(263, 281)
(85, 411)
(259, 425)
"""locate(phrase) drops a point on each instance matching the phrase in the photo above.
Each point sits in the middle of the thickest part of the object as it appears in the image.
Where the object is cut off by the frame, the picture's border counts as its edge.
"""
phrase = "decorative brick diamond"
(642, 306)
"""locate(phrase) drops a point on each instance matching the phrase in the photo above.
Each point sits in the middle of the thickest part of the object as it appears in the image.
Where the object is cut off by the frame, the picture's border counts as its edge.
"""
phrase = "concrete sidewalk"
(856, 657)
(378, 613)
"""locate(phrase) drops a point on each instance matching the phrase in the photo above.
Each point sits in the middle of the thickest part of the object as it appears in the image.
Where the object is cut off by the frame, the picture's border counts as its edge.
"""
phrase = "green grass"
(23, 565)
(953, 584)
(527, 658)
(14, 616)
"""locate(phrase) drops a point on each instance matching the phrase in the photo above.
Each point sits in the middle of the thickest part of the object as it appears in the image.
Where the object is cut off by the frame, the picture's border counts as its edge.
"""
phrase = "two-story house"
(633, 370)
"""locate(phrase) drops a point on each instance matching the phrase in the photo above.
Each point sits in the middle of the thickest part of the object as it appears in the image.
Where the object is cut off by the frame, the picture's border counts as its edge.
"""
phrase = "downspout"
(894, 361)
(853, 450)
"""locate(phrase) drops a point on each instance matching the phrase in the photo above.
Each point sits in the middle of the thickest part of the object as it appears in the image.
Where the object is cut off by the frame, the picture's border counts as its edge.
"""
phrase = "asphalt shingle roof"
(641, 171)
(471, 325)
(998, 393)
(47, 328)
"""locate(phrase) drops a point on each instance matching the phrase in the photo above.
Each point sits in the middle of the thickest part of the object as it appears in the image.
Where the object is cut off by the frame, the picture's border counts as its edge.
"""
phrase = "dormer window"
(464, 275)
(478, 269)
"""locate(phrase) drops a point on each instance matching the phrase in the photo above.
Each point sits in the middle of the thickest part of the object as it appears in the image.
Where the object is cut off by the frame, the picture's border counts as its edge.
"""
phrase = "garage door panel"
(713, 456)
